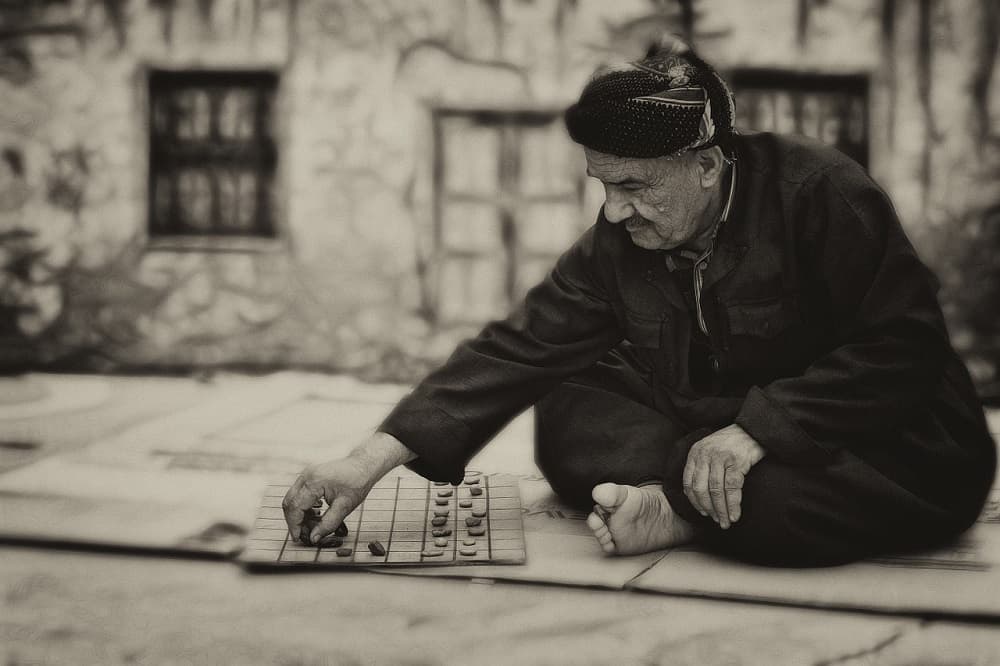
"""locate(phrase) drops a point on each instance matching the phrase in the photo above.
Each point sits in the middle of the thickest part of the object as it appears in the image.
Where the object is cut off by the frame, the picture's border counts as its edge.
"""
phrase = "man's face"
(661, 200)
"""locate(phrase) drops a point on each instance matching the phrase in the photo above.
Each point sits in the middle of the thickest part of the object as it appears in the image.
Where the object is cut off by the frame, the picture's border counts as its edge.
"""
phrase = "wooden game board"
(402, 514)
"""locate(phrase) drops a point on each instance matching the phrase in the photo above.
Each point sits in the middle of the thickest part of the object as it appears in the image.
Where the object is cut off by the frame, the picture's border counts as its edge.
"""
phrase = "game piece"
(396, 526)
(475, 491)
(479, 513)
(472, 521)
(473, 481)
(465, 504)
(440, 483)
(441, 501)
(442, 512)
(468, 552)
(445, 493)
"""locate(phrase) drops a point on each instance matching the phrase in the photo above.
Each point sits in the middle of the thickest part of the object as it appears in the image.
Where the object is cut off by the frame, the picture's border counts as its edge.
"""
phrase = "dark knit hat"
(669, 102)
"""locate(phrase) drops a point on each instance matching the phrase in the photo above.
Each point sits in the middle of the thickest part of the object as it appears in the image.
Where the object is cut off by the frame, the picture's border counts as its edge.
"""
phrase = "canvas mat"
(190, 482)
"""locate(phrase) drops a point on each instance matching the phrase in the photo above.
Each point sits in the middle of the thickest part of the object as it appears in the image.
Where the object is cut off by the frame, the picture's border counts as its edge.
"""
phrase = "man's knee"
(805, 516)
(789, 519)
(585, 436)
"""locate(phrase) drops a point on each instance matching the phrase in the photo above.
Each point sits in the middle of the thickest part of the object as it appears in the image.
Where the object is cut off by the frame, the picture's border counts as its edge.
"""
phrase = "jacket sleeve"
(889, 339)
(564, 325)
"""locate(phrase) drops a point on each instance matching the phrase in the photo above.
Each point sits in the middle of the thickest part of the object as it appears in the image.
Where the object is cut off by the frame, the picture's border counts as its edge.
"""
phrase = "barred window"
(832, 108)
(212, 154)
(509, 197)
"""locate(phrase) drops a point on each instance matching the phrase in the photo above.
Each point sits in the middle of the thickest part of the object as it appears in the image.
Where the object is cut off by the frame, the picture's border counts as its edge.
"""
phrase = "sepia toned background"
(329, 194)
(355, 185)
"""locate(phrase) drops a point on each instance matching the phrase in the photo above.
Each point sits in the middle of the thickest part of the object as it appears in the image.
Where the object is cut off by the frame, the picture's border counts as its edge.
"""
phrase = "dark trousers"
(602, 426)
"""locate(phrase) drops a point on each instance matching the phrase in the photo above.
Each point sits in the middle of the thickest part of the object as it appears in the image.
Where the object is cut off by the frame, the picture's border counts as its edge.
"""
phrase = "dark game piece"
(438, 521)
(331, 541)
(476, 491)
(376, 548)
(472, 521)
(344, 552)
(441, 532)
(341, 531)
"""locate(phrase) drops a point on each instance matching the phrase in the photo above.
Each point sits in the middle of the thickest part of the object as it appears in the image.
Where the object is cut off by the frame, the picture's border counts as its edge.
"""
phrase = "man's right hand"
(343, 483)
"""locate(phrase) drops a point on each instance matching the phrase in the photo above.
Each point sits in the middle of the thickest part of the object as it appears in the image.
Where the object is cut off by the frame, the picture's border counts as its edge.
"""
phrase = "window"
(509, 188)
(830, 107)
(212, 155)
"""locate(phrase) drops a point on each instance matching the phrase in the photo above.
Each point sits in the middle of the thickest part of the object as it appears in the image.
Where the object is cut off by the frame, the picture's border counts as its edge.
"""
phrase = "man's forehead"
(604, 166)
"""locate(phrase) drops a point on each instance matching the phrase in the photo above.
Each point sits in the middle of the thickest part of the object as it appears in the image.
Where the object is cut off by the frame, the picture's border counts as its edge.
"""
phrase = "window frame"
(507, 123)
(750, 80)
(167, 154)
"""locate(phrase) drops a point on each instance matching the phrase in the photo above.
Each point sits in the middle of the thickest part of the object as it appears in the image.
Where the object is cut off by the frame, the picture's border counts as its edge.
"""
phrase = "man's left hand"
(715, 470)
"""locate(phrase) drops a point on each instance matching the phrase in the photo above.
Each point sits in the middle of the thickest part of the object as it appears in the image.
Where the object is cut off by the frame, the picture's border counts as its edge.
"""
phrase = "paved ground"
(70, 607)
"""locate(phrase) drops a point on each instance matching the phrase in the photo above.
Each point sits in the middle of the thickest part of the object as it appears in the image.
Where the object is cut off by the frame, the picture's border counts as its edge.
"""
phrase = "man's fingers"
(688, 482)
(340, 506)
(717, 493)
(298, 500)
(734, 493)
(699, 487)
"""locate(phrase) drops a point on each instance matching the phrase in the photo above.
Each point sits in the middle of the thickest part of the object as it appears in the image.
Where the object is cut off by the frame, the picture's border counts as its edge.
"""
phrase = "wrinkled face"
(661, 201)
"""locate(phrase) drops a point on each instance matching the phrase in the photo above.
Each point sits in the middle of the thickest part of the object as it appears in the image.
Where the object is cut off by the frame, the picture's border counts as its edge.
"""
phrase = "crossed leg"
(601, 445)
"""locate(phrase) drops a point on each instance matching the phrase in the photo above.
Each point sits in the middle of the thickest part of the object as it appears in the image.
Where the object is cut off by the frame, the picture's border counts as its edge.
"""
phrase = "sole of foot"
(629, 520)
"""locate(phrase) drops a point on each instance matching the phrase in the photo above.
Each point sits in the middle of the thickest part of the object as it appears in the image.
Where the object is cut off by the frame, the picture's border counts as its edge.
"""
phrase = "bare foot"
(635, 520)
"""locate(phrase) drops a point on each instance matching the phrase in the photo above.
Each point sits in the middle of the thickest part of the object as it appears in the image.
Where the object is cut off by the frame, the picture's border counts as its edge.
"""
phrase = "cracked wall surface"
(349, 282)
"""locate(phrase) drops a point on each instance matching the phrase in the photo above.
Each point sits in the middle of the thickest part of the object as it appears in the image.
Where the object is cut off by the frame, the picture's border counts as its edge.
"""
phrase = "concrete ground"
(77, 607)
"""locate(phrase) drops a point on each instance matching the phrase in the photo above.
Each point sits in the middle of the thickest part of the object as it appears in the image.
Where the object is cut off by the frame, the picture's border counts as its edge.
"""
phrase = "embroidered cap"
(669, 102)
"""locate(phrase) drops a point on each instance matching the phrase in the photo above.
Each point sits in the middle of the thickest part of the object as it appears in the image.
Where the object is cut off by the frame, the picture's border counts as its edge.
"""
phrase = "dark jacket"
(824, 332)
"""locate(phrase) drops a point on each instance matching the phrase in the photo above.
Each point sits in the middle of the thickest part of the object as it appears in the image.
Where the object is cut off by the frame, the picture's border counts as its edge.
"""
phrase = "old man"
(743, 351)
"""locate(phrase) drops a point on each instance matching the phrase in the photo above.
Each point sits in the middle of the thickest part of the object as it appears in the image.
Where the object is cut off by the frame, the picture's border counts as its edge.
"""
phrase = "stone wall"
(351, 281)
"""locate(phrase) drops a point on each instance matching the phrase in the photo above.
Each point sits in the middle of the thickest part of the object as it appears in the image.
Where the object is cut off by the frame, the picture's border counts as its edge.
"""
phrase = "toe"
(608, 547)
(595, 523)
(609, 495)
(605, 538)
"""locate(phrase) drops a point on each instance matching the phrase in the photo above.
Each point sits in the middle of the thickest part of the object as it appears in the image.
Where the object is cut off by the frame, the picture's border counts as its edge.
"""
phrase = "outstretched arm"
(565, 324)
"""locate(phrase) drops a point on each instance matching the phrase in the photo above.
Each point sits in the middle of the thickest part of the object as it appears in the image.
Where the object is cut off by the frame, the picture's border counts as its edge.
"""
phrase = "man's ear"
(711, 165)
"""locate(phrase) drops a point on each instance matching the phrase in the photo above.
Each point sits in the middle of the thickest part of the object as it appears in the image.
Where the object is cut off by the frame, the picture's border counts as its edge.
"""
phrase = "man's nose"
(617, 209)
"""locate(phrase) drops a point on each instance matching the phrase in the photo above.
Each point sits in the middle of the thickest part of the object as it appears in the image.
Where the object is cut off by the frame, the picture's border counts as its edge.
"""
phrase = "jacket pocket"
(642, 332)
(762, 319)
